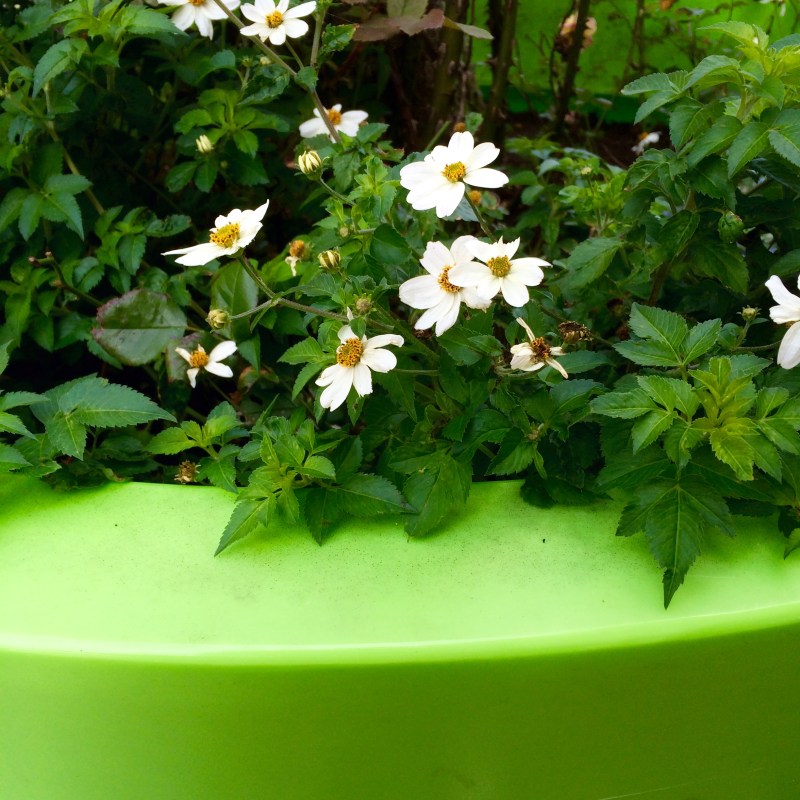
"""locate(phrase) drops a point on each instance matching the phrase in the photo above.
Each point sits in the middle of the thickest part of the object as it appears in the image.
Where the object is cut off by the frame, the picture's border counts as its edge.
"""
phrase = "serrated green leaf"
(648, 353)
(247, 516)
(715, 69)
(589, 260)
(731, 446)
(657, 82)
(749, 144)
(701, 339)
(623, 405)
(366, 495)
(63, 207)
(57, 58)
(670, 393)
(11, 458)
(308, 350)
(169, 442)
(659, 325)
(318, 467)
(322, 509)
(221, 471)
(10, 423)
(437, 494)
(67, 434)
(221, 420)
(95, 401)
(717, 138)
(647, 429)
(514, 456)
(631, 472)
(11, 206)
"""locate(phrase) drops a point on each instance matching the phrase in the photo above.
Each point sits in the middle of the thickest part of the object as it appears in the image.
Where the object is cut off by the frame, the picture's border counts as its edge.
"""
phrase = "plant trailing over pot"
(407, 325)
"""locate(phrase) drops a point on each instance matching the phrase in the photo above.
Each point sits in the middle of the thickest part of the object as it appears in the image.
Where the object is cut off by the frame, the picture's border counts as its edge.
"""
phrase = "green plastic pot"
(520, 653)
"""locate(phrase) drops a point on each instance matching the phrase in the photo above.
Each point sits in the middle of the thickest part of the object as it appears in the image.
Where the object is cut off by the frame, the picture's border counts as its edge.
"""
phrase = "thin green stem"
(320, 18)
(481, 220)
(333, 193)
(436, 136)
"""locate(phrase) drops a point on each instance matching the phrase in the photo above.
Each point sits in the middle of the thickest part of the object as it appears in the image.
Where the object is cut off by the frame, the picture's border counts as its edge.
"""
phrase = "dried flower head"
(572, 332)
(187, 472)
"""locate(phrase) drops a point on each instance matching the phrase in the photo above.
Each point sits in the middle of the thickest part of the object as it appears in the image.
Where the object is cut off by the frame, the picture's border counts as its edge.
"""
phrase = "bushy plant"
(337, 328)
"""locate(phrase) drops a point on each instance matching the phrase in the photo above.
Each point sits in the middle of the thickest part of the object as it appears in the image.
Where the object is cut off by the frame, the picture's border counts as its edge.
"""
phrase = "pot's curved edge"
(142, 584)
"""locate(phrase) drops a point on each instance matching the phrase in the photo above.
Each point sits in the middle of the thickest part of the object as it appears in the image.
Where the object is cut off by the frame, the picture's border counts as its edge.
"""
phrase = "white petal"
(382, 340)
(312, 127)
(483, 250)
(295, 28)
(421, 292)
(788, 309)
(223, 370)
(183, 18)
(486, 178)
(529, 274)
(191, 374)
(328, 375)
(354, 117)
(204, 25)
(482, 155)
(450, 315)
(362, 379)
(460, 249)
(475, 299)
(337, 392)
(277, 36)
(412, 175)
(212, 10)
(348, 127)
(252, 13)
(436, 257)
(556, 366)
(470, 274)
(222, 350)
(345, 333)
(379, 360)
(460, 147)
(508, 249)
(303, 10)
(282, 6)
(521, 322)
(789, 351)
(184, 354)
(515, 294)
(448, 199)
(197, 255)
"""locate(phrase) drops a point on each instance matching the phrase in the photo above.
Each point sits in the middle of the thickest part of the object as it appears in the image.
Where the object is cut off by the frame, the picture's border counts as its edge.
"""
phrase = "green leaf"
(67, 434)
(648, 354)
(57, 58)
(731, 445)
(11, 458)
(137, 327)
(221, 471)
(307, 78)
(676, 233)
(335, 38)
(724, 262)
(318, 467)
(632, 472)
(308, 350)
(368, 495)
(63, 207)
(647, 429)
(658, 82)
(95, 401)
(180, 175)
(785, 136)
(140, 21)
(686, 120)
(304, 376)
(29, 214)
(169, 442)
(66, 184)
(589, 260)
(437, 494)
(322, 509)
(247, 516)
(718, 137)
(659, 325)
(713, 70)
(10, 423)
(670, 393)
(701, 339)
(11, 206)
(206, 174)
(623, 405)
(749, 144)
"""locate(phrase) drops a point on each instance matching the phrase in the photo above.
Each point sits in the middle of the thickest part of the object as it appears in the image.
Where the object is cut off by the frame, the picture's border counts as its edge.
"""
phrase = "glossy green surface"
(520, 653)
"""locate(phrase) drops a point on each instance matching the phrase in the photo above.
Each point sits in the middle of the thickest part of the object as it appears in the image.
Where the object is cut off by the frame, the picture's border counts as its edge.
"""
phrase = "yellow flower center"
(334, 116)
(348, 354)
(199, 358)
(226, 236)
(499, 266)
(274, 19)
(197, 2)
(454, 172)
(444, 283)
(540, 349)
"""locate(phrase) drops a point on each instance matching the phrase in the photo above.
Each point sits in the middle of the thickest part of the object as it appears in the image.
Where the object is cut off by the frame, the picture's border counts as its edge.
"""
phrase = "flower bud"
(310, 163)
(265, 61)
(203, 144)
(730, 227)
(330, 259)
(187, 472)
(344, 231)
(299, 249)
(475, 196)
(572, 332)
(749, 313)
(459, 127)
(363, 306)
(217, 318)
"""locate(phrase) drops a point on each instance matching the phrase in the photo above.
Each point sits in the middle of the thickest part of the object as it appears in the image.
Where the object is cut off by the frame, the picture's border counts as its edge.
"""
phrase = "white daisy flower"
(276, 21)
(199, 13)
(229, 235)
(787, 311)
(500, 272)
(645, 140)
(438, 181)
(343, 121)
(354, 359)
(199, 359)
(532, 355)
(434, 291)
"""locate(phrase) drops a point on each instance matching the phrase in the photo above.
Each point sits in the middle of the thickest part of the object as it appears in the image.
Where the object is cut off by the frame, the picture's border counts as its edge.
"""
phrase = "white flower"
(345, 122)
(354, 359)
(438, 181)
(434, 291)
(787, 311)
(500, 272)
(228, 236)
(276, 22)
(199, 359)
(645, 140)
(199, 13)
(535, 354)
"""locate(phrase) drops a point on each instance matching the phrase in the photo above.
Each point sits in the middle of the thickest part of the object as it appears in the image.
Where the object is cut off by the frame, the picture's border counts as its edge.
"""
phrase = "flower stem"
(273, 56)
(333, 193)
(481, 220)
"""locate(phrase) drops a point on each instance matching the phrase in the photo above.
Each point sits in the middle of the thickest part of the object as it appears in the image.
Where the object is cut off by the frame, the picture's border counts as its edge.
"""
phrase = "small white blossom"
(354, 359)
(787, 311)
(276, 21)
(229, 235)
(199, 359)
(343, 121)
(536, 353)
(438, 181)
(645, 140)
(500, 272)
(199, 13)
(435, 292)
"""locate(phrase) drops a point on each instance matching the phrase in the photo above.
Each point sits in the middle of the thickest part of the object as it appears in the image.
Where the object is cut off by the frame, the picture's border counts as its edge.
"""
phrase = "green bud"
(749, 313)
(203, 144)
(363, 306)
(730, 227)
(217, 318)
